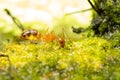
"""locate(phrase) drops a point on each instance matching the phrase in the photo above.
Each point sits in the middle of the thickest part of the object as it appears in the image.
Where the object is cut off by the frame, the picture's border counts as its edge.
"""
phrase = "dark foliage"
(77, 30)
(107, 19)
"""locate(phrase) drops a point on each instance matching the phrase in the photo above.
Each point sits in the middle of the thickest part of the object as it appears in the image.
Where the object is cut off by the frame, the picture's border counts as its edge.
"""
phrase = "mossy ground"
(91, 58)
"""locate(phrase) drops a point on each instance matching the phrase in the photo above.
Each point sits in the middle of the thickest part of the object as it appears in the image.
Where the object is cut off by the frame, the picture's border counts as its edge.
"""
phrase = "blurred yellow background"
(44, 10)
(46, 13)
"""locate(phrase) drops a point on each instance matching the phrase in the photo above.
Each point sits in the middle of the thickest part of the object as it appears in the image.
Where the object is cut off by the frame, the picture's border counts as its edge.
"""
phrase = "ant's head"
(61, 41)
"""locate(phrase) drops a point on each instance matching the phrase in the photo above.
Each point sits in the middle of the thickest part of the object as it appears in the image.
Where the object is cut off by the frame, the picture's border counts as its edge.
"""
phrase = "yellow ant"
(34, 35)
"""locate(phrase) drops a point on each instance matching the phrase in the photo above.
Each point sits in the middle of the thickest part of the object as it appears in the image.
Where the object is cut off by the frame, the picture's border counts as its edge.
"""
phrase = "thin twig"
(15, 20)
(78, 11)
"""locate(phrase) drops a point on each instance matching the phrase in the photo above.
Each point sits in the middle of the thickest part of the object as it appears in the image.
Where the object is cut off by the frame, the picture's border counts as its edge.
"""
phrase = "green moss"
(87, 59)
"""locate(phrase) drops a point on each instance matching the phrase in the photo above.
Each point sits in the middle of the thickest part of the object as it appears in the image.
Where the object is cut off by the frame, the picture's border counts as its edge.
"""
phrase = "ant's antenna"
(15, 20)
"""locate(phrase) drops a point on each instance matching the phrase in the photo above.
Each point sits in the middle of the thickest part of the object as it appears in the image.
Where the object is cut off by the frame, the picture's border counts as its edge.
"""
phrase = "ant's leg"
(64, 33)
(46, 31)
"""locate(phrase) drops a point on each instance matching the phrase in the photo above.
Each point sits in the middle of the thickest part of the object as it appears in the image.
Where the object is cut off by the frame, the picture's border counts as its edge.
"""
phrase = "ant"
(34, 35)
